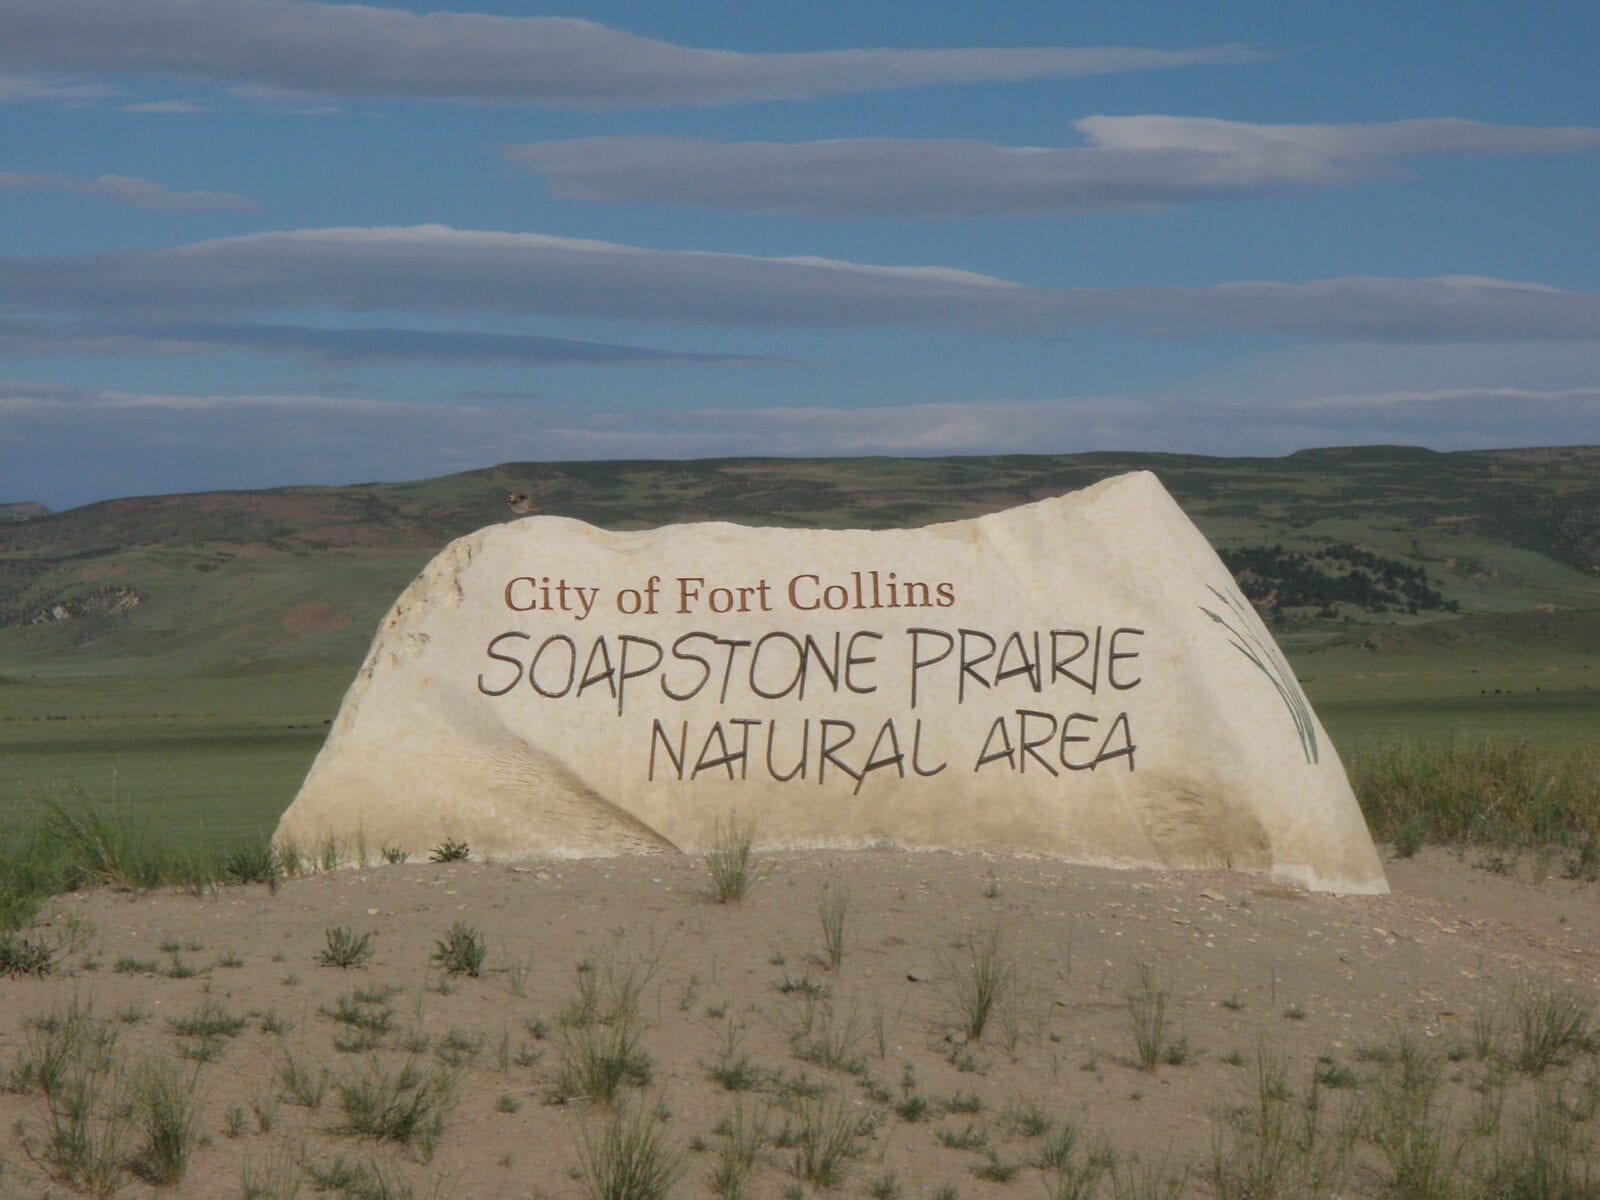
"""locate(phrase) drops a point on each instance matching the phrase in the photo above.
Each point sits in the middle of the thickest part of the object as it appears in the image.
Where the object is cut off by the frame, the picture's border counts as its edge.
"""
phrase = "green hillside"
(188, 650)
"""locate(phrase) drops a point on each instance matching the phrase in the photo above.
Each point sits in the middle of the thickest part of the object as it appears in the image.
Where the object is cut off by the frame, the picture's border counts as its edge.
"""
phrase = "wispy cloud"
(125, 443)
(1133, 164)
(165, 107)
(22, 89)
(337, 346)
(126, 189)
(436, 270)
(361, 50)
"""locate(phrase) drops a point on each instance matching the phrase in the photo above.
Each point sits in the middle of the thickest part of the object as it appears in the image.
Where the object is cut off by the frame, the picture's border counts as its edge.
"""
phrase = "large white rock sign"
(1077, 677)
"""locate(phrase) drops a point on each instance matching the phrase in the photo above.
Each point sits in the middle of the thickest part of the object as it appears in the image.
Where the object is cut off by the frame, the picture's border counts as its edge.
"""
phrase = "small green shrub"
(982, 983)
(450, 850)
(731, 860)
(407, 1107)
(255, 863)
(1552, 1026)
(344, 948)
(831, 912)
(1147, 1005)
(828, 1134)
(628, 1157)
(21, 955)
(209, 1020)
(169, 1113)
(460, 952)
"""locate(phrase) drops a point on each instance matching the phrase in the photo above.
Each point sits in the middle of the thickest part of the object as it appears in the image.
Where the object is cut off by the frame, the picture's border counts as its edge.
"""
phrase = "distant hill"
(25, 510)
(229, 582)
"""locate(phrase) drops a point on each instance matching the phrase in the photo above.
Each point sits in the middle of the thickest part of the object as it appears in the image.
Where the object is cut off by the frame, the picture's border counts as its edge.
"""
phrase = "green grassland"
(194, 709)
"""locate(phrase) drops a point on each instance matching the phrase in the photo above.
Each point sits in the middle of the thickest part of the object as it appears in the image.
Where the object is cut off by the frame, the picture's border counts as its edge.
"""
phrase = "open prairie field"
(179, 657)
(221, 1020)
(876, 1024)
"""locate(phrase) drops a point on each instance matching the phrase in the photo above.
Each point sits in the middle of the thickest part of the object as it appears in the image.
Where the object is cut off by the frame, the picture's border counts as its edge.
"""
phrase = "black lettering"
(602, 652)
(1028, 667)
(968, 663)
(828, 749)
(918, 662)
(725, 760)
(733, 645)
(805, 745)
(505, 658)
(1125, 750)
(852, 660)
(814, 653)
(658, 734)
(1029, 747)
(896, 760)
(572, 666)
(985, 756)
(1059, 665)
(681, 654)
(623, 674)
(1066, 736)
(916, 752)
(1113, 655)
(797, 680)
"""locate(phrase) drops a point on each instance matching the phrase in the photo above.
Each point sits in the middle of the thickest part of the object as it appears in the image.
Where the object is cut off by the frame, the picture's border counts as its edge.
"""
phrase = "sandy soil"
(1248, 966)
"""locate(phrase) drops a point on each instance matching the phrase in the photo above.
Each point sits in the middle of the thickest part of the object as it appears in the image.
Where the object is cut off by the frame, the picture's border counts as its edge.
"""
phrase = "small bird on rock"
(521, 502)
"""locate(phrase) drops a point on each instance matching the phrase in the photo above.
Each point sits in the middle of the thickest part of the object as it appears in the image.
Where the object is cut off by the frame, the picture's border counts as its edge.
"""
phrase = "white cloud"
(22, 89)
(436, 270)
(337, 346)
(355, 49)
(63, 445)
(126, 189)
(165, 107)
(1134, 164)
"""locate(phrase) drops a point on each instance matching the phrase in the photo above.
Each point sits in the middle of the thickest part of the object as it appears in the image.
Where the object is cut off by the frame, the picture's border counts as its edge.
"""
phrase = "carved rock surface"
(1076, 677)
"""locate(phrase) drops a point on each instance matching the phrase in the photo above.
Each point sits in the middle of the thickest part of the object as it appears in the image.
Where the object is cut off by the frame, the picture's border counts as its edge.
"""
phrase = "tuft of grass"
(168, 1110)
(823, 1037)
(394, 855)
(628, 1157)
(1416, 1144)
(970, 1136)
(279, 1178)
(733, 1069)
(304, 1087)
(253, 863)
(1277, 1144)
(732, 861)
(982, 983)
(831, 913)
(1552, 1026)
(407, 1106)
(450, 850)
(209, 1020)
(1502, 792)
(742, 1136)
(1068, 1172)
(460, 952)
(1147, 1005)
(598, 1061)
(344, 948)
(828, 1133)
(1408, 839)
(22, 955)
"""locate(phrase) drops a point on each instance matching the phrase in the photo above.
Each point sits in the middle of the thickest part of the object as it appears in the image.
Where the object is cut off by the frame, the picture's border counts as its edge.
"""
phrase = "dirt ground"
(1316, 983)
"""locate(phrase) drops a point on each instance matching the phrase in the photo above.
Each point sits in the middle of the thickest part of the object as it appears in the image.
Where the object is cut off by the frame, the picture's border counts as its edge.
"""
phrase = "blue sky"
(249, 242)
